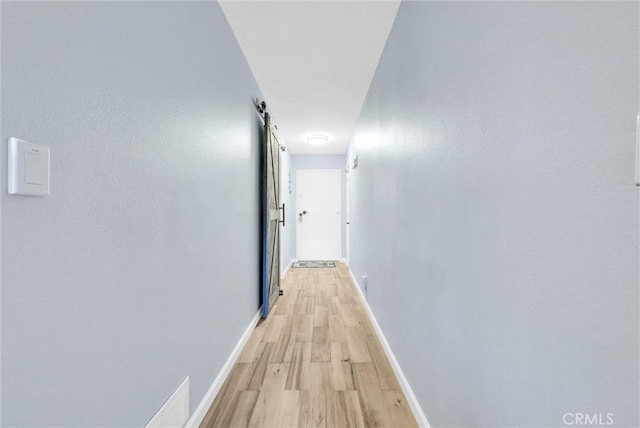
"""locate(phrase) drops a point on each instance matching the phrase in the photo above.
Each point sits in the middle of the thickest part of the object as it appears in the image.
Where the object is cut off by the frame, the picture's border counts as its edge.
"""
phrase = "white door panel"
(319, 217)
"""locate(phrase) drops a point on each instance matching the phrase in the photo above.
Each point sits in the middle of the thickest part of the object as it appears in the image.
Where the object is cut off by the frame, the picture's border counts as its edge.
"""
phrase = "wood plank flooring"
(314, 362)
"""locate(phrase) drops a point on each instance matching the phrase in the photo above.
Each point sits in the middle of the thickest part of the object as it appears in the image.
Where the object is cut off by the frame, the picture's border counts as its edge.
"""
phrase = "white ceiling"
(314, 61)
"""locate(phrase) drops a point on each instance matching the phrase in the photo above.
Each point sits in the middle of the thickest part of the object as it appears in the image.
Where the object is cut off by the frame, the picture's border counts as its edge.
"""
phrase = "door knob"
(303, 213)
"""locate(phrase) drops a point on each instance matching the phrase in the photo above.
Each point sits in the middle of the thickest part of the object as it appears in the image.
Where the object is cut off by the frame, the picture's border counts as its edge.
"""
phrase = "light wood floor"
(314, 362)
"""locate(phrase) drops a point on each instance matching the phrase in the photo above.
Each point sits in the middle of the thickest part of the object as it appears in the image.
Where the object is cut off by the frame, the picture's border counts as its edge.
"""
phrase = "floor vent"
(175, 411)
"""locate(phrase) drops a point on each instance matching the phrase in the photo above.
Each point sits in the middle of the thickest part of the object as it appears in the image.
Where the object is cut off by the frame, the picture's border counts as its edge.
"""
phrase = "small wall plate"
(28, 169)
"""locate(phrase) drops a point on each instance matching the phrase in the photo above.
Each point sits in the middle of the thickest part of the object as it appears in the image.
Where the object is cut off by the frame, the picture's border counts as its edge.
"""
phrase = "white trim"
(207, 400)
(291, 262)
(343, 260)
(421, 419)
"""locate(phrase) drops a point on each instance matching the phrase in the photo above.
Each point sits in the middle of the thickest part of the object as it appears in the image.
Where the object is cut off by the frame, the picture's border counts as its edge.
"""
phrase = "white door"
(318, 214)
(348, 226)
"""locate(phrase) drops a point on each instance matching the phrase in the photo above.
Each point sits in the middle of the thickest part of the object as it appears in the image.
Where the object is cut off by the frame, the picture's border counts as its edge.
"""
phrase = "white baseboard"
(291, 262)
(416, 409)
(343, 260)
(201, 411)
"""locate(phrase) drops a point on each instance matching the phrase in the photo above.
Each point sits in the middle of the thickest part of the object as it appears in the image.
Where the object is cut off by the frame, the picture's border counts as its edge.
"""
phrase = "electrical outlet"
(365, 285)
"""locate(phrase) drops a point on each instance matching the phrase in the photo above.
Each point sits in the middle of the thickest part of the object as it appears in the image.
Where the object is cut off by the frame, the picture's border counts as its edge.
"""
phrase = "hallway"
(476, 164)
(315, 361)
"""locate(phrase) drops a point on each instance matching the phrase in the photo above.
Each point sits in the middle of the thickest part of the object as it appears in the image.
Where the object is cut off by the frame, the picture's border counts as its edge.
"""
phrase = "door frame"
(333, 170)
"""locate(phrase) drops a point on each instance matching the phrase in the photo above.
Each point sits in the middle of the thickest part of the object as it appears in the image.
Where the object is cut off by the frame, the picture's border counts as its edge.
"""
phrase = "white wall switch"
(28, 168)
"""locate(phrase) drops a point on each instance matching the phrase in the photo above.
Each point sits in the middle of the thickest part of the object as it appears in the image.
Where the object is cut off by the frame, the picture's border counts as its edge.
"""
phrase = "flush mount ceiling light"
(317, 139)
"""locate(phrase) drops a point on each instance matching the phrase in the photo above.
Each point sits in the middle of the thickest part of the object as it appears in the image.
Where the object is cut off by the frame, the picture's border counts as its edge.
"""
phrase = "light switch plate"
(28, 168)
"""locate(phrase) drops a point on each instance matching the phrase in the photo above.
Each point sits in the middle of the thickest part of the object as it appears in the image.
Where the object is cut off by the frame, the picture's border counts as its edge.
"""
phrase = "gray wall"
(134, 273)
(321, 162)
(494, 209)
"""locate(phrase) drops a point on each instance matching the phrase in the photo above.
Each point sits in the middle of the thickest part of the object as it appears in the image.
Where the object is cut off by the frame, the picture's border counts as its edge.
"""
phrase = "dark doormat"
(314, 264)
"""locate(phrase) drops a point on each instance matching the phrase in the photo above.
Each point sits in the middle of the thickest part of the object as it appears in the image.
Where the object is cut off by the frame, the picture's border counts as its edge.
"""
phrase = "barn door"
(271, 217)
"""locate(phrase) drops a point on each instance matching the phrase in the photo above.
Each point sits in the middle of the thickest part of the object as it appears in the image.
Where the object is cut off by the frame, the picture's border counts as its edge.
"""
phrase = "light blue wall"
(322, 162)
(494, 209)
(136, 272)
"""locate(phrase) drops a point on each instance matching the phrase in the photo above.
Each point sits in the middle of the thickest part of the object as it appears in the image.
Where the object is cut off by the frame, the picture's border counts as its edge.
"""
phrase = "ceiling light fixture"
(317, 139)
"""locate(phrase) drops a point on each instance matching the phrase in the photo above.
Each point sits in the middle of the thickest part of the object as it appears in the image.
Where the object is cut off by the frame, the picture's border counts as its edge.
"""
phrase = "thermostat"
(28, 168)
